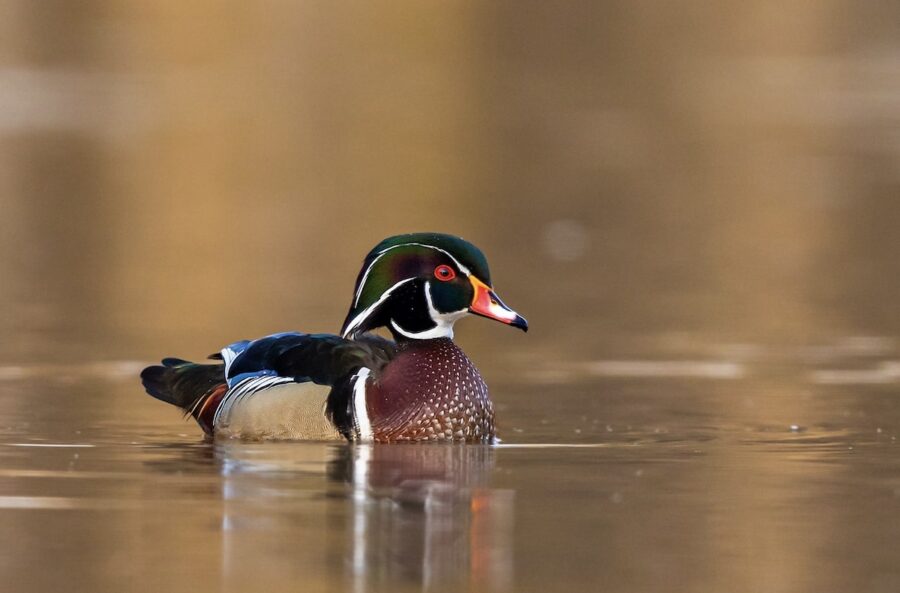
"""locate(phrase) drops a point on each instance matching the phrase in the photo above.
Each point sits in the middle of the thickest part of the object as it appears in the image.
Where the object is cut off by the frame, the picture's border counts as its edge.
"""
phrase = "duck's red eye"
(444, 273)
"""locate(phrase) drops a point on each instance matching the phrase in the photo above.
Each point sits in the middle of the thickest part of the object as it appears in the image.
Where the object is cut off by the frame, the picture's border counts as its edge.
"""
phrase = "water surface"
(628, 476)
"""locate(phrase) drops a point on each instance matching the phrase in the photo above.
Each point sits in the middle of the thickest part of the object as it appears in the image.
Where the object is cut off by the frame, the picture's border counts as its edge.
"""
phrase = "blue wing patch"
(247, 359)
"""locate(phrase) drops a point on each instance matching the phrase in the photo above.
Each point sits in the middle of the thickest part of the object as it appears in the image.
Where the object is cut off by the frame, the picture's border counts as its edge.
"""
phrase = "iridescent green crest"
(405, 258)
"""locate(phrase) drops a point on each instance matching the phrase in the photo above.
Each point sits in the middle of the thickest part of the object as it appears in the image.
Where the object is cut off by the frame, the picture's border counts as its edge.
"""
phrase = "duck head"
(418, 285)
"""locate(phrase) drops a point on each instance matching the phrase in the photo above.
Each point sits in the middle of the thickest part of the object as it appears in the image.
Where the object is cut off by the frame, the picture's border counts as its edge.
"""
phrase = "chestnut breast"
(430, 391)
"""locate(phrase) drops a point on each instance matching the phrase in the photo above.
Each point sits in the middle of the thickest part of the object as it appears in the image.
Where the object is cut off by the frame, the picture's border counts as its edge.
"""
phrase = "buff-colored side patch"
(292, 411)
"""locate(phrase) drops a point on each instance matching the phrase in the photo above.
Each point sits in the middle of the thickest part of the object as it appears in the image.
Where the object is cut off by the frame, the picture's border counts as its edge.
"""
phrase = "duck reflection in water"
(420, 515)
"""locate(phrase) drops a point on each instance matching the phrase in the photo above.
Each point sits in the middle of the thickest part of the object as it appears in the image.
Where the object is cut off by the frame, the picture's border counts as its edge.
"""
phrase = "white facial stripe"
(368, 310)
(442, 318)
(443, 322)
(362, 282)
(360, 413)
(430, 334)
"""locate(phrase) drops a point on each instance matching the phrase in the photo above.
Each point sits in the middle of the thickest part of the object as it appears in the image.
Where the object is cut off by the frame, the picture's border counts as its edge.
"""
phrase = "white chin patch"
(443, 322)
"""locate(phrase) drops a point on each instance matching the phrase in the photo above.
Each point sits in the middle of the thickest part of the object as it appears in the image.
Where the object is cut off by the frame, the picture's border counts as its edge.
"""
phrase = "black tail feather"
(174, 362)
(182, 383)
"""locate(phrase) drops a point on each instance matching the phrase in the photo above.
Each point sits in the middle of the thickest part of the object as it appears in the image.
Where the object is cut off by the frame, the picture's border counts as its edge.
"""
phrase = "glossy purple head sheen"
(397, 286)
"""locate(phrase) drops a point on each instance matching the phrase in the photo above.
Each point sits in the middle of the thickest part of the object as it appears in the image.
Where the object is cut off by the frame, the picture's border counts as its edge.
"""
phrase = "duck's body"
(358, 386)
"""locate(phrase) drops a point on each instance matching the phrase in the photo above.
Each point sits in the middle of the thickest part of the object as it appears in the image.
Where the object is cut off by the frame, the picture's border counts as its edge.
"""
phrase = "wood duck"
(358, 386)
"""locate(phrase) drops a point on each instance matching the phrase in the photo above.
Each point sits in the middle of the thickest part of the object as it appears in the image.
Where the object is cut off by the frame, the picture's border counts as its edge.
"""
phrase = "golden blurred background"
(654, 183)
(175, 176)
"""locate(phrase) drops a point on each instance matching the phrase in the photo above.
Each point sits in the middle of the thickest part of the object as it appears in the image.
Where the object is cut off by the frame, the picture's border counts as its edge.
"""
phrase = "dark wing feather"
(325, 359)
(322, 358)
